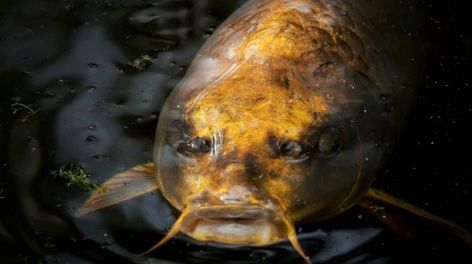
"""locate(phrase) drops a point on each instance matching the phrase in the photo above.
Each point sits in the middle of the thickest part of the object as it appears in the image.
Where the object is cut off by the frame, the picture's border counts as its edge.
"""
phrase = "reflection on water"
(97, 74)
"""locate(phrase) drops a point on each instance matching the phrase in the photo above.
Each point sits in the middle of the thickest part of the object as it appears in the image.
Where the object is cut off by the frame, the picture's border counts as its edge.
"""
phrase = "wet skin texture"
(282, 109)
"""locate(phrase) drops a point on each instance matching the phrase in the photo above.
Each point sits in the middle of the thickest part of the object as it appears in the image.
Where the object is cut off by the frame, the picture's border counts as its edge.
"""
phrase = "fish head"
(245, 157)
(278, 119)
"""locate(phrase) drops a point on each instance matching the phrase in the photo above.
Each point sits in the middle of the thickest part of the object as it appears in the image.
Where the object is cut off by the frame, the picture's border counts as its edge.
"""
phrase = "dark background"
(431, 166)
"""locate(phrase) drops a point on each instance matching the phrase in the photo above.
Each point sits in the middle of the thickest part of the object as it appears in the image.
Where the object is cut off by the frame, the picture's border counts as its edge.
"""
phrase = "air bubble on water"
(68, 6)
(256, 254)
(92, 127)
(91, 87)
(209, 32)
(50, 93)
(154, 116)
(139, 119)
(91, 139)
(26, 70)
(92, 65)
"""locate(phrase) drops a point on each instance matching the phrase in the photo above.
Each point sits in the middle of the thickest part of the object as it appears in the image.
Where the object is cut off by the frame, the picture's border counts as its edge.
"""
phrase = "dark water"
(97, 73)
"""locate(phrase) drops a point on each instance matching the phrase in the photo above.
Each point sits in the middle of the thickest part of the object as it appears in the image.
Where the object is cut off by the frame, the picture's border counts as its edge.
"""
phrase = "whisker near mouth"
(235, 224)
(292, 237)
(251, 225)
(171, 234)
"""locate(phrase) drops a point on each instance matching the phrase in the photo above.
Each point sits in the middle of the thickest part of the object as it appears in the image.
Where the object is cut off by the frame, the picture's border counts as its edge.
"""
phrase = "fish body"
(284, 115)
(281, 109)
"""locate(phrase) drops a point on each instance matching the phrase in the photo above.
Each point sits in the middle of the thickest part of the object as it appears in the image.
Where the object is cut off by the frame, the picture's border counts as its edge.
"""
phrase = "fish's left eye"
(330, 141)
(196, 145)
(292, 150)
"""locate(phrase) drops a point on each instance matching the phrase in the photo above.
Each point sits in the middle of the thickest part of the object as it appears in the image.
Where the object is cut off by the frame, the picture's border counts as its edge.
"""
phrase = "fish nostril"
(237, 194)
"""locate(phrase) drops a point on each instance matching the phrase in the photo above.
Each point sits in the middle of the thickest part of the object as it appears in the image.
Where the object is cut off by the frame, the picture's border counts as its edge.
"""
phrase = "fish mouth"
(252, 225)
(235, 224)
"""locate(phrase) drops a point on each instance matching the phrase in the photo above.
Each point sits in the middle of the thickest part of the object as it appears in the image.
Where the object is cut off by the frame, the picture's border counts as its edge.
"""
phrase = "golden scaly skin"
(275, 74)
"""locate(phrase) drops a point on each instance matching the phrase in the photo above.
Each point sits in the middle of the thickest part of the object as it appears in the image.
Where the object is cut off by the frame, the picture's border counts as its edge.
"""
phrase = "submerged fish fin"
(121, 187)
(377, 195)
(388, 216)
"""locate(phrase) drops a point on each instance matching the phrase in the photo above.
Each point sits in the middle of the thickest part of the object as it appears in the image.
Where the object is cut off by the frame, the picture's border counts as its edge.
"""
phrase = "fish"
(285, 115)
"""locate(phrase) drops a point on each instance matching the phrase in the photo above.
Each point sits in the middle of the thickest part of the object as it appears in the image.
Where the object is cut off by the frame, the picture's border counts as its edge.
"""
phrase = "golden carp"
(283, 115)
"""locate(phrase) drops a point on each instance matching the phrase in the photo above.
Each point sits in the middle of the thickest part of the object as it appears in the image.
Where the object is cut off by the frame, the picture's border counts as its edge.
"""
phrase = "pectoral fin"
(121, 187)
(377, 195)
(388, 216)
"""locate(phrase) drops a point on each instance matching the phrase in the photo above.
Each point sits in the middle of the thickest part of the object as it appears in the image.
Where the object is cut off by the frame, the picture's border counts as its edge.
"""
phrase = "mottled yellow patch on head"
(240, 114)
(254, 103)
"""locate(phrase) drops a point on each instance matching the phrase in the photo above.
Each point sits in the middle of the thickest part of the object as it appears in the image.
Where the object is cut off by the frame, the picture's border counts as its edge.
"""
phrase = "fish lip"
(235, 224)
(232, 213)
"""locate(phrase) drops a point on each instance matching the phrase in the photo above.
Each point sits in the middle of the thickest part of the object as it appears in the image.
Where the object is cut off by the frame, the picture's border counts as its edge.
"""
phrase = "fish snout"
(234, 185)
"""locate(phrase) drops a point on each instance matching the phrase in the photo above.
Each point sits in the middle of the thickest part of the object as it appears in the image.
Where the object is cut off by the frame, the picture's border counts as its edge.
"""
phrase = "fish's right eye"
(196, 145)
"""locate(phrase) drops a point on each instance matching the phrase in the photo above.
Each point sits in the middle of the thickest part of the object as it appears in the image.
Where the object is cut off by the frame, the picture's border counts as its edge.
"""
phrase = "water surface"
(95, 75)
